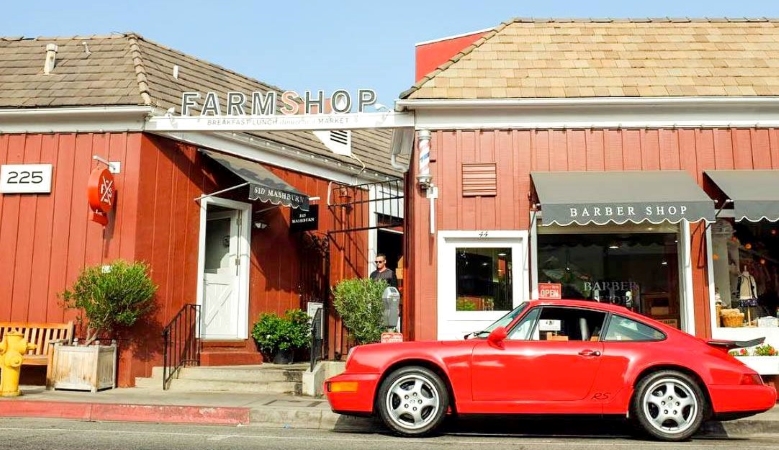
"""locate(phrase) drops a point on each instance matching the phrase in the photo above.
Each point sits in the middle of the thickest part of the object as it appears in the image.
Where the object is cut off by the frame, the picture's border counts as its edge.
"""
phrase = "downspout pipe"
(401, 138)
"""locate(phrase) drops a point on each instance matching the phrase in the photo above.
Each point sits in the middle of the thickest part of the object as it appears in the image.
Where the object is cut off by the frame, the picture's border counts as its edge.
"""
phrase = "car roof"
(591, 304)
(606, 308)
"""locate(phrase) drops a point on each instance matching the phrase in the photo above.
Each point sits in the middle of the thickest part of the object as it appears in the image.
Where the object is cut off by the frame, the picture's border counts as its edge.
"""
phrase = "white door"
(481, 276)
(221, 306)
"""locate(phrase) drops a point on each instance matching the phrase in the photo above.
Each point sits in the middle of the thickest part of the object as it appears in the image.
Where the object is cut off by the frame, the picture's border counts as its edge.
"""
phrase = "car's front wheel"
(412, 401)
(668, 405)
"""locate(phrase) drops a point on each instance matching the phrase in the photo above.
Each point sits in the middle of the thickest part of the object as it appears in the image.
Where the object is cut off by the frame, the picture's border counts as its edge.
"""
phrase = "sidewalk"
(225, 408)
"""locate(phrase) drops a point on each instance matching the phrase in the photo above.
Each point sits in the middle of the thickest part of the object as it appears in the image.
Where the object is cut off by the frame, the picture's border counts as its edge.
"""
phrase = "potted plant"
(109, 297)
(277, 337)
(358, 302)
(763, 358)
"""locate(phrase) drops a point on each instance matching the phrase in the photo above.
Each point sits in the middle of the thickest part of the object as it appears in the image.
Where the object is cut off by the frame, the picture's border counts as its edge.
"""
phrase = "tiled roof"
(126, 69)
(526, 58)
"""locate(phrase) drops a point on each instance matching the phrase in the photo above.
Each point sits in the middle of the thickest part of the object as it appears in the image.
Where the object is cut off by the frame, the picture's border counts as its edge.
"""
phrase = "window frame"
(541, 308)
(610, 320)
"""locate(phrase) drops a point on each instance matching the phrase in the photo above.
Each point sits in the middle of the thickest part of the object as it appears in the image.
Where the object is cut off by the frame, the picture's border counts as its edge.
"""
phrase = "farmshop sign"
(278, 111)
(266, 103)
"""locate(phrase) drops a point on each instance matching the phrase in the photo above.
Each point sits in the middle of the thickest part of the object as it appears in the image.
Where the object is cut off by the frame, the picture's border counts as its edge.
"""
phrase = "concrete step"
(252, 374)
(264, 378)
(273, 387)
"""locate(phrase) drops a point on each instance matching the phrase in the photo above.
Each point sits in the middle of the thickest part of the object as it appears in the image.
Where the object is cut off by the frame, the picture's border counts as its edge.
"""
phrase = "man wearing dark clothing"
(382, 272)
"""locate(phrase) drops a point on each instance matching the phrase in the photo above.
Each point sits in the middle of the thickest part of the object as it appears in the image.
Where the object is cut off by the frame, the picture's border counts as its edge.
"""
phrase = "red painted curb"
(218, 415)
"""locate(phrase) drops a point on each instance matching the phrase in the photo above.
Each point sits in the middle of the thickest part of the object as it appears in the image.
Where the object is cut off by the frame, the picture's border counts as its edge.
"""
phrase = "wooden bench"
(44, 336)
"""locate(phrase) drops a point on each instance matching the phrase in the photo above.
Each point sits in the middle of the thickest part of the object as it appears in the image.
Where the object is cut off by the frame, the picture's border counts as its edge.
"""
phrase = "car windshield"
(503, 321)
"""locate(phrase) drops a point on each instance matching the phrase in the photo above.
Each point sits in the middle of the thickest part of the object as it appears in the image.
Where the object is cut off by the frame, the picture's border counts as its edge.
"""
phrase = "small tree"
(111, 296)
(358, 302)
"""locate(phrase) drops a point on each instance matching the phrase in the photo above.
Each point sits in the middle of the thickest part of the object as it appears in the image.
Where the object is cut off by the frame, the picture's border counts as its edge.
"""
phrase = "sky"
(325, 45)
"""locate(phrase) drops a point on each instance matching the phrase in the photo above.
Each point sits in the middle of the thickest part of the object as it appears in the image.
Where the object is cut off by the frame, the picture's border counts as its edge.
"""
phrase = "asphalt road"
(38, 434)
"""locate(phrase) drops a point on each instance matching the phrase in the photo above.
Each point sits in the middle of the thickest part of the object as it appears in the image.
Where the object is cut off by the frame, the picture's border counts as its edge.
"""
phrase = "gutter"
(74, 119)
(78, 111)
(402, 143)
(594, 113)
(701, 102)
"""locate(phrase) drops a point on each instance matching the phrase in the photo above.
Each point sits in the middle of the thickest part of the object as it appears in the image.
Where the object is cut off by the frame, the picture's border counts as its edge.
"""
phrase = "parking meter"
(391, 299)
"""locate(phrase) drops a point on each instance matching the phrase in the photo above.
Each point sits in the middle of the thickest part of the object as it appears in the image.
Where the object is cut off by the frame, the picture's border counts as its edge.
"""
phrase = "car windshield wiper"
(476, 333)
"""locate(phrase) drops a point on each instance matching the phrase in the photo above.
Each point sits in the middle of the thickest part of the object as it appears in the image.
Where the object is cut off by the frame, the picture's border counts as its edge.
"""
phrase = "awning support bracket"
(219, 192)
(716, 214)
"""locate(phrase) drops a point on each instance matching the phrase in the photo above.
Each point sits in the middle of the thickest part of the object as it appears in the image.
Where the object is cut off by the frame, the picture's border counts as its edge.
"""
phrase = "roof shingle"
(526, 58)
(127, 69)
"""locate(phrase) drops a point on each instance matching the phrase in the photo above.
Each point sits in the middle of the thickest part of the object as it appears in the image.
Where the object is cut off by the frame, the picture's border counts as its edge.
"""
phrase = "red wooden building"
(185, 202)
(629, 161)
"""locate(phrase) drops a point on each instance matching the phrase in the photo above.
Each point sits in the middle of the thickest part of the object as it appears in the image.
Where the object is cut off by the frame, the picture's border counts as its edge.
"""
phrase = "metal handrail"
(316, 337)
(181, 343)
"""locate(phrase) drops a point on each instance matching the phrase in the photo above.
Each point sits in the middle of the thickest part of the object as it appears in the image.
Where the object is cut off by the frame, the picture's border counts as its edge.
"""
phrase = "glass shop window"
(483, 278)
(637, 270)
(745, 263)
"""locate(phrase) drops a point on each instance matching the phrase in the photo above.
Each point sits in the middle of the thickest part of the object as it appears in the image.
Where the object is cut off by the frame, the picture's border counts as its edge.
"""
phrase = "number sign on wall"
(25, 178)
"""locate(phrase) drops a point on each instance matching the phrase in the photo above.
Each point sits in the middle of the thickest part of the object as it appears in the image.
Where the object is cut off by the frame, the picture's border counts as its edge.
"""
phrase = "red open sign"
(553, 291)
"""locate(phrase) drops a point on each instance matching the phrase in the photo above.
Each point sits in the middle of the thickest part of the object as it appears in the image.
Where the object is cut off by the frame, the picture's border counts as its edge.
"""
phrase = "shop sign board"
(300, 220)
(550, 291)
(266, 103)
(279, 111)
(101, 192)
(25, 178)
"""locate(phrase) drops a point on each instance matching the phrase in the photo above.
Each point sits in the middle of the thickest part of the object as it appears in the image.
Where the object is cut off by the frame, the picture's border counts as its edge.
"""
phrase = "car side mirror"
(497, 336)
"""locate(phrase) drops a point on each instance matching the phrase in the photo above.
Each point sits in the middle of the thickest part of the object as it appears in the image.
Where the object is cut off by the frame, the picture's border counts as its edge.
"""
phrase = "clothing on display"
(746, 287)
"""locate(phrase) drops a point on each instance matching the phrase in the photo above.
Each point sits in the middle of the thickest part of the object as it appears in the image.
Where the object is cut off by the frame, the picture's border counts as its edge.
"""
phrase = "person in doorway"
(382, 272)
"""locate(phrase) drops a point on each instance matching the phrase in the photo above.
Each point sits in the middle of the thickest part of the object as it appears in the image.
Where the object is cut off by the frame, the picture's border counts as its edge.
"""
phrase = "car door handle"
(589, 353)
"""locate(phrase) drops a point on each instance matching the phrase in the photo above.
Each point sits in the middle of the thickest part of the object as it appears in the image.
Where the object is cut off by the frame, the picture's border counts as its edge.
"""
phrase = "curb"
(741, 427)
(318, 419)
(277, 417)
(110, 412)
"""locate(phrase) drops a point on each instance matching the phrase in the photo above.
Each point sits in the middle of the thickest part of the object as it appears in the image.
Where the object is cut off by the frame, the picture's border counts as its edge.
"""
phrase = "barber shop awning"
(753, 193)
(263, 184)
(619, 197)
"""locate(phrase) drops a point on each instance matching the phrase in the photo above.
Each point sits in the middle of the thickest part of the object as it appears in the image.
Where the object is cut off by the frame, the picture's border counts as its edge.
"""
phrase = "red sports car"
(555, 357)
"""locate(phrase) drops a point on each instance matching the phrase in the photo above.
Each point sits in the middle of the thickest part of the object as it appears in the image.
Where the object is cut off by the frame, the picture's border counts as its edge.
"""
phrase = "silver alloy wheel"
(412, 401)
(670, 405)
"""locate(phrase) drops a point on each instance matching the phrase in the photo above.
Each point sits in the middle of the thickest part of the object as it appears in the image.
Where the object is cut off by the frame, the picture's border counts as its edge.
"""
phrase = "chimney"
(51, 57)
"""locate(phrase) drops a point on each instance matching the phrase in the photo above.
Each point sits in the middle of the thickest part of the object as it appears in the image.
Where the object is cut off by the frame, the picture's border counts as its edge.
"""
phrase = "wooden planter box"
(83, 368)
(764, 365)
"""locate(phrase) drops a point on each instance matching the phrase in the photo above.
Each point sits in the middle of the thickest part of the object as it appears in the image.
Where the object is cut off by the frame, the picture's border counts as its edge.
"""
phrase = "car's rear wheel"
(412, 401)
(668, 405)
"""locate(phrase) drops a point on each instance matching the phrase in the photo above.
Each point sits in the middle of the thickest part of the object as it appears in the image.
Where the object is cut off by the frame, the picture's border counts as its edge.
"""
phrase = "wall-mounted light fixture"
(424, 180)
(260, 224)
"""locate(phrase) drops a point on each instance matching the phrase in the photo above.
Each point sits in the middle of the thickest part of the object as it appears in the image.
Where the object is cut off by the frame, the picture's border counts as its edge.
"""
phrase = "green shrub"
(272, 332)
(358, 302)
(111, 296)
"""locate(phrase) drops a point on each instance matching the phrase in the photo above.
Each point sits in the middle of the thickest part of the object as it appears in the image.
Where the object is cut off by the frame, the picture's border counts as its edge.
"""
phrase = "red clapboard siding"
(516, 153)
(47, 239)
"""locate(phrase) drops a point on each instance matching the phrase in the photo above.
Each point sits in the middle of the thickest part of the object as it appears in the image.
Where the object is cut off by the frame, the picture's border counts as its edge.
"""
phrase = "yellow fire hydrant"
(12, 350)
